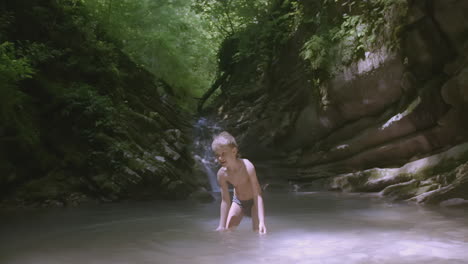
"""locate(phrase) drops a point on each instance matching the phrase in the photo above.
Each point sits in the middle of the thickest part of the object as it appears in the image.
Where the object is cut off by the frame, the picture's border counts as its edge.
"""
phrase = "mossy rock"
(55, 187)
(372, 180)
(401, 191)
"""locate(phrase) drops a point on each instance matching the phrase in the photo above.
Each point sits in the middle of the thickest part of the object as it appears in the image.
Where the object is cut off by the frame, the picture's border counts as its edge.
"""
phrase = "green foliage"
(315, 52)
(166, 37)
(5, 21)
(95, 112)
(338, 41)
(225, 18)
(263, 38)
(256, 37)
(12, 68)
(38, 53)
(12, 100)
(353, 37)
(72, 102)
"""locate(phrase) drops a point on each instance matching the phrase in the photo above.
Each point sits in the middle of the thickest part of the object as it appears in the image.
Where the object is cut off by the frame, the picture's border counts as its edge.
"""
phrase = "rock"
(52, 203)
(454, 202)
(455, 90)
(160, 158)
(173, 134)
(451, 17)
(408, 82)
(75, 199)
(274, 186)
(372, 180)
(455, 189)
(401, 191)
(427, 51)
(373, 121)
(359, 95)
(416, 13)
(409, 181)
(316, 185)
(170, 152)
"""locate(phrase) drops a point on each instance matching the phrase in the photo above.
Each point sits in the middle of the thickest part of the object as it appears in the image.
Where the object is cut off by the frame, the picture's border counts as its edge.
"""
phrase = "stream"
(307, 227)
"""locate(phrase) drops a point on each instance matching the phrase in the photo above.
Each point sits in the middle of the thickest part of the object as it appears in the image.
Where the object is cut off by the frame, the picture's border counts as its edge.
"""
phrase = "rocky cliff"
(388, 94)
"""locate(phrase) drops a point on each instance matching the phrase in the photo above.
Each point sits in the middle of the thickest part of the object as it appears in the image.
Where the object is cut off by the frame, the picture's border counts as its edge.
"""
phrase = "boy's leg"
(235, 216)
(254, 214)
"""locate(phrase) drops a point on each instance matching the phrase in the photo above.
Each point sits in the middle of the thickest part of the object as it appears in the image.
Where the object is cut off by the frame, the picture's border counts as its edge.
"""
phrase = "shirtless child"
(247, 198)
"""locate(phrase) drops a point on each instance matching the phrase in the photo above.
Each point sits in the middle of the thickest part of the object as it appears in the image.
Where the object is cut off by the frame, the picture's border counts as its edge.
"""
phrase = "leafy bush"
(315, 52)
(12, 100)
(90, 110)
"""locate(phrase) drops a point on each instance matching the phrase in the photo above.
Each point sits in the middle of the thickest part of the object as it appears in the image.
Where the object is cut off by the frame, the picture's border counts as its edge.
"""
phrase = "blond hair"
(223, 139)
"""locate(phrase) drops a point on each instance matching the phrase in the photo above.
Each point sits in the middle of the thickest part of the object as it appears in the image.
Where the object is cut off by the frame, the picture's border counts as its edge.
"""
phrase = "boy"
(247, 198)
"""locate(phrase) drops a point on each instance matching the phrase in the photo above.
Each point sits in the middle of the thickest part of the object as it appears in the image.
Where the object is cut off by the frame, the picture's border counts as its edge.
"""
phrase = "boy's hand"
(262, 229)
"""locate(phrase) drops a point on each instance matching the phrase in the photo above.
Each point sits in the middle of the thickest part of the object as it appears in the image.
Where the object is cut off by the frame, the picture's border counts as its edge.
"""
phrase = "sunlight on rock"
(344, 146)
(372, 61)
(400, 116)
(454, 153)
(325, 121)
(160, 158)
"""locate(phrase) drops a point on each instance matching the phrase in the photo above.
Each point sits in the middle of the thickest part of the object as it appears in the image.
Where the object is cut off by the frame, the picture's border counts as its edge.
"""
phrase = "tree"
(166, 37)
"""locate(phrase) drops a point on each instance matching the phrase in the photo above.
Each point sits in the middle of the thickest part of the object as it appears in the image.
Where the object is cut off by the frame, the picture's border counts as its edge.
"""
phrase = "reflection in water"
(303, 228)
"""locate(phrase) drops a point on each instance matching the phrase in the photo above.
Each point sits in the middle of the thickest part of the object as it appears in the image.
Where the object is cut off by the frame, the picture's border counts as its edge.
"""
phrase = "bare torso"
(241, 182)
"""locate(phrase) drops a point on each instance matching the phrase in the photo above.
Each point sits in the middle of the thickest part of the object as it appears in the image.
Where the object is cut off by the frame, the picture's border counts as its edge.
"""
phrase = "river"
(308, 227)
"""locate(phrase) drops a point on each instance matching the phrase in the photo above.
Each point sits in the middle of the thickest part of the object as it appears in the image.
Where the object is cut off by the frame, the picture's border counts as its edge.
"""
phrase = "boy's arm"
(225, 202)
(257, 194)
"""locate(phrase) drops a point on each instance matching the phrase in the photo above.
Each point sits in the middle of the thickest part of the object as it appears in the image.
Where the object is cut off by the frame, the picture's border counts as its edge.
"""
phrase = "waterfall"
(204, 129)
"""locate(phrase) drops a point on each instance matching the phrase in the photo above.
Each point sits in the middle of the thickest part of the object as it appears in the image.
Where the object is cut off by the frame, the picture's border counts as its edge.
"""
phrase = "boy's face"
(226, 155)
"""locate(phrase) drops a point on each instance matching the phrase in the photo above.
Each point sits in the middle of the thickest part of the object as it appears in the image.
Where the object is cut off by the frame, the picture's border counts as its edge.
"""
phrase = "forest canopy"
(177, 40)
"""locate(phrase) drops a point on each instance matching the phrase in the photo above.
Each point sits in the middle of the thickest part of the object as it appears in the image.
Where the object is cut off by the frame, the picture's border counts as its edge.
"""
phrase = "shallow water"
(302, 228)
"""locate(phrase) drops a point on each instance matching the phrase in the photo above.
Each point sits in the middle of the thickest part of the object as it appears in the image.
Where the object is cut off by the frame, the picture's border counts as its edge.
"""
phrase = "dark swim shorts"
(245, 205)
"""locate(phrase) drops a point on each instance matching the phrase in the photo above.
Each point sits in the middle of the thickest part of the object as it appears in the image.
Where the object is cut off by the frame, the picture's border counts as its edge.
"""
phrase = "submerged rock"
(454, 202)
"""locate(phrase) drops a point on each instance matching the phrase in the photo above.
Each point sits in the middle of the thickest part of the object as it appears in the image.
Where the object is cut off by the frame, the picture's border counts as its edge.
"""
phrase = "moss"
(425, 189)
(7, 172)
(358, 179)
(53, 186)
(442, 167)
(401, 191)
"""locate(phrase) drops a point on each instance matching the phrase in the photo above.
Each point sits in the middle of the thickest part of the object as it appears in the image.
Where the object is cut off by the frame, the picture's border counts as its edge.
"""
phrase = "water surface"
(302, 228)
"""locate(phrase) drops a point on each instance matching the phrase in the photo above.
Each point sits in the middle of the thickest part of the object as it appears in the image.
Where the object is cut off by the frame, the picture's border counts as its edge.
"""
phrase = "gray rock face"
(450, 15)
(387, 109)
